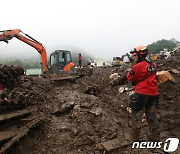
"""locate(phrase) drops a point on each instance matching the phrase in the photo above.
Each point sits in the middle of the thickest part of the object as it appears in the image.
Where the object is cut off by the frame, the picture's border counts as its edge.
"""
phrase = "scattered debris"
(22, 132)
(97, 111)
(114, 77)
(65, 108)
(174, 71)
(9, 75)
(165, 54)
(113, 144)
(93, 113)
(164, 76)
(154, 57)
(129, 109)
(93, 90)
(124, 88)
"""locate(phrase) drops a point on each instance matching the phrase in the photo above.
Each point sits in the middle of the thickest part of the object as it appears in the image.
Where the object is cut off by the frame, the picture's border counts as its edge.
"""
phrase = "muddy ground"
(95, 122)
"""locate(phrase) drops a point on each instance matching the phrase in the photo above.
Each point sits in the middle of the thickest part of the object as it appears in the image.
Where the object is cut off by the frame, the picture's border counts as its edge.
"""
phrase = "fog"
(101, 28)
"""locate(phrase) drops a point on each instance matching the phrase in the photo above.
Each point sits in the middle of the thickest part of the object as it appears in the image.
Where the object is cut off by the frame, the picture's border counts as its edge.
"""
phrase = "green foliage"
(24, 63)
(159, 45)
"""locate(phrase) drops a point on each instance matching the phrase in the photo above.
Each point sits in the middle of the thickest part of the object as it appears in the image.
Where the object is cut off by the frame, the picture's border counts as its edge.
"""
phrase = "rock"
(96, 111)
(112, 145)
(65, 108)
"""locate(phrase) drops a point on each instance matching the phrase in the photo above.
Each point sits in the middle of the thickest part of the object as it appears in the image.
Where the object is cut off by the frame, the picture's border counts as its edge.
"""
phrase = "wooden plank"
(6, 108)
(21, 133)
(15, 115)
(5, 136)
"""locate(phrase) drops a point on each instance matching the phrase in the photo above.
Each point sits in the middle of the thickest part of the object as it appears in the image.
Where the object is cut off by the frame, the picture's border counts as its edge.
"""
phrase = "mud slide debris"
(88, 116)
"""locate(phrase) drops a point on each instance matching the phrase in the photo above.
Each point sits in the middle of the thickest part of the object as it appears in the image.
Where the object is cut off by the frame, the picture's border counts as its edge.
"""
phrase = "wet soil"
(75, 122)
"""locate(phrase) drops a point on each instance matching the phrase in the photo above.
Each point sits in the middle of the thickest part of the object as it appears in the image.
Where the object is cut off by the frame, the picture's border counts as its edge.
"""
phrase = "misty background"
(98, 28)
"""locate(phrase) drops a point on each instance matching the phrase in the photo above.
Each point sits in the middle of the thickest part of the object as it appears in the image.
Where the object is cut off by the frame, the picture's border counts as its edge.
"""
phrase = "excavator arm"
(7, 35)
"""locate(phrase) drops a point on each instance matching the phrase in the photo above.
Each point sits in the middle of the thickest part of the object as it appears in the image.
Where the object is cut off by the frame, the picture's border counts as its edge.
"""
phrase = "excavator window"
(61, 57)
(65, 57)
(68, 57)
(53, 59)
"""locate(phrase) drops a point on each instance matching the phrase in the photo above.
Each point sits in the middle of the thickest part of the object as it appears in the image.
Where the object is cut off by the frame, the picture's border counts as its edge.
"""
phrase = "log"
(6, 108)
(5, 137)
(15, 115)
(21, 133)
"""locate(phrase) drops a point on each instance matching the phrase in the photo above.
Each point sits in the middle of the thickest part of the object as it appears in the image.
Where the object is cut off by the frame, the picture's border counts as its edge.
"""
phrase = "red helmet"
(142, 50)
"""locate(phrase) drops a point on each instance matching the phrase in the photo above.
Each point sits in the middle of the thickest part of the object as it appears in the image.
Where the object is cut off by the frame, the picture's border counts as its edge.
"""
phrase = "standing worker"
(144, 100)
(80, 60)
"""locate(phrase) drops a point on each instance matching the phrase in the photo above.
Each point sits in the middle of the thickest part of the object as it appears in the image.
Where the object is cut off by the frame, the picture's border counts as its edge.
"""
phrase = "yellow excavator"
(60, 65)
(117, 61)
(154, 57)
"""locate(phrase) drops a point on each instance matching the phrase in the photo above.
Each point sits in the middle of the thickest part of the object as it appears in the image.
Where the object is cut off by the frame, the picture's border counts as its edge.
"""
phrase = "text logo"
(171, 144)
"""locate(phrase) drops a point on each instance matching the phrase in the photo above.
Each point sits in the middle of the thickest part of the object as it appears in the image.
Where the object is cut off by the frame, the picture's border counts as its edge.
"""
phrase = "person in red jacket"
(144, 100)
(80, 60)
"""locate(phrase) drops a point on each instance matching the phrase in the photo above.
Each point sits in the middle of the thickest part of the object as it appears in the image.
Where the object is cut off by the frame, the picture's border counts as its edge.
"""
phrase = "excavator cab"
(61, 66)
(59, 60)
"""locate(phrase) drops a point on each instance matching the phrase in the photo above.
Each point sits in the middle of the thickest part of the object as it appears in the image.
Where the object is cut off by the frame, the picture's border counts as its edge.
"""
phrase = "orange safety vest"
(68, 67)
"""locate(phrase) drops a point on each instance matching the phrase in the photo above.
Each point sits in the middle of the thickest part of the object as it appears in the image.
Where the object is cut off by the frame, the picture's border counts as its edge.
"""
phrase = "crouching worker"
(143, 77)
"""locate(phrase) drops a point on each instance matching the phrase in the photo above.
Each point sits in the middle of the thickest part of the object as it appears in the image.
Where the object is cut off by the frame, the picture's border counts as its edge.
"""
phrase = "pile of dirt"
(78, 122)
(27, 91)
(9, 75)
(19, 106)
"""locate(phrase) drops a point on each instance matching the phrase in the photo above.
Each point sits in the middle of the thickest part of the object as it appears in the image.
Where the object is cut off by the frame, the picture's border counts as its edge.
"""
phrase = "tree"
(15, 62)
(159, 45)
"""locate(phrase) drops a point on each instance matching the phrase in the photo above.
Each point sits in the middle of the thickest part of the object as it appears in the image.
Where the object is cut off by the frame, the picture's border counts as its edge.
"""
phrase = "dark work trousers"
(80, 64)
(148, 107)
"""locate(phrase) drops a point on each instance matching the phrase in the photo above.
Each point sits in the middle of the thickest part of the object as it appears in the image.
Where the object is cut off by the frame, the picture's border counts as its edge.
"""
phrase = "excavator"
(60, 65)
